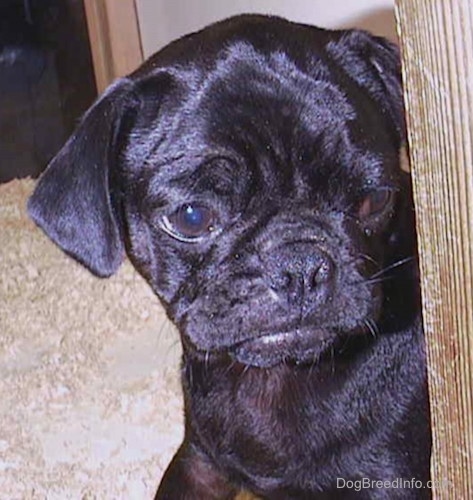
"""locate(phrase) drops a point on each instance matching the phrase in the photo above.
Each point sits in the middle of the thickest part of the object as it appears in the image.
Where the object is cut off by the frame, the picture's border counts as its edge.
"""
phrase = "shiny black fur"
(299, 314)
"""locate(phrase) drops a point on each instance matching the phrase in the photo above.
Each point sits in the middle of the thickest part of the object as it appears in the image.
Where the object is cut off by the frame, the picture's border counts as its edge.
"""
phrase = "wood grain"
(436, 39)
(114, 39)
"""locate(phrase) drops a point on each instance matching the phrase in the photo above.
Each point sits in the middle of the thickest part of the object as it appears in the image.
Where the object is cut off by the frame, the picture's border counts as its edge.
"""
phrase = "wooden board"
(437, 48)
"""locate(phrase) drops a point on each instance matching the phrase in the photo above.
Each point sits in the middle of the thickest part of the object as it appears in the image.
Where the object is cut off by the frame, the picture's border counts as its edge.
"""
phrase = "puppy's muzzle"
(301, 273)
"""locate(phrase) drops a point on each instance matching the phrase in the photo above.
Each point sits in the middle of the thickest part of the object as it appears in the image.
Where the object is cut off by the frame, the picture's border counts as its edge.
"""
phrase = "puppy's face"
(256, 186)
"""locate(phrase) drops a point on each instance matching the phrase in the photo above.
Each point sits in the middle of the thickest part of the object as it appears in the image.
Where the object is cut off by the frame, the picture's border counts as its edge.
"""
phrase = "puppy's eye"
(190, 222)
(375, 203)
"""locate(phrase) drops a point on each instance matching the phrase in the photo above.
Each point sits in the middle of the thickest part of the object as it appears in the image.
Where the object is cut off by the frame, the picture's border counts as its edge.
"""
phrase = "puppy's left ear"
(73, 201)
(374, 63)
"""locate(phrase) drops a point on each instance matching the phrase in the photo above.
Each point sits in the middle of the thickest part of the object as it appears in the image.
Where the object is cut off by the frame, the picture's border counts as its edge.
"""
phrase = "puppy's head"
(251, 172)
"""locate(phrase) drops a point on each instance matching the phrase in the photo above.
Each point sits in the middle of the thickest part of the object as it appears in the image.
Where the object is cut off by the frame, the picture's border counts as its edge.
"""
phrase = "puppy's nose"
(301, 271)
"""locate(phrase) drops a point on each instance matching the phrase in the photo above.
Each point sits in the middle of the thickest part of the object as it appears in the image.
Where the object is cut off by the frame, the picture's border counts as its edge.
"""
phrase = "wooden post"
(436, 39)
(114, 39)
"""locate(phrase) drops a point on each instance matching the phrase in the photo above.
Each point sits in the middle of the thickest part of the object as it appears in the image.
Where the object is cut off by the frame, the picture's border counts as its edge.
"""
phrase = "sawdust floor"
(90, 401)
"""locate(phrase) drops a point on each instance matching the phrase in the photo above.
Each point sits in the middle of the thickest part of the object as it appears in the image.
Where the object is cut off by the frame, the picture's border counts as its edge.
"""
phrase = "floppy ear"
(374, 63)
(385, 58)
(72, 201)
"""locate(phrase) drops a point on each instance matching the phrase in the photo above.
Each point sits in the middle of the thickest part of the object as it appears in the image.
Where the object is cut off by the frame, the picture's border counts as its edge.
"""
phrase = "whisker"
(229, 368)
(368, 258)
(393, 266)
(311, 368)
(206, 359)
(363, 256)
(172, 348)
(372, 327)
(370, 281)
(381, 279)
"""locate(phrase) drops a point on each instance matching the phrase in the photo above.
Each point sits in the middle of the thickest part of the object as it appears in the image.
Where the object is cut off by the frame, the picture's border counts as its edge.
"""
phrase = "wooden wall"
(436, 39)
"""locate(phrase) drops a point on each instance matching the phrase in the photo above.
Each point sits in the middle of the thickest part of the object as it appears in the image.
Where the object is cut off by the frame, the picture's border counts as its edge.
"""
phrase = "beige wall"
(164, 20)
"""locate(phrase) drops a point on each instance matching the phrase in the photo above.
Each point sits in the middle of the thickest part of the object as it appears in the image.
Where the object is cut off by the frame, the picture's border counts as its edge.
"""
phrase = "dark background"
(46, 81)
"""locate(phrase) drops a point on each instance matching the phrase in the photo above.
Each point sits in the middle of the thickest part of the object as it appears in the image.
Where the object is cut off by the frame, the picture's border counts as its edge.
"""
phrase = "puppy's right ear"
(374, 63)
(73, 200)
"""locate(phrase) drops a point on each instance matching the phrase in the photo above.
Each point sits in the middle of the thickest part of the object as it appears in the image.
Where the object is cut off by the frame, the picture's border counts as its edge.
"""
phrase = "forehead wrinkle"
(183, 167)
(273, 89)
(198, 85)
(189, 85)
(244, 71)
(229, 75)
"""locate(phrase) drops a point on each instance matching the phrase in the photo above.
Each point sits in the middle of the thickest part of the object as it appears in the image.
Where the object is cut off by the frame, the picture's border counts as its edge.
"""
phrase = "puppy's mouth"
(299, 346)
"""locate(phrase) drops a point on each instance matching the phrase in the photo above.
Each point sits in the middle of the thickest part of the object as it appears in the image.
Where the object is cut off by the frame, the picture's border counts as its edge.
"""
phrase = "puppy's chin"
(301, 346)
(297, 347)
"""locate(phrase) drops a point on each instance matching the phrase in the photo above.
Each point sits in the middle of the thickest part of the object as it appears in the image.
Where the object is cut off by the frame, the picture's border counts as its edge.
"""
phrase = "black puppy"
(251, 173)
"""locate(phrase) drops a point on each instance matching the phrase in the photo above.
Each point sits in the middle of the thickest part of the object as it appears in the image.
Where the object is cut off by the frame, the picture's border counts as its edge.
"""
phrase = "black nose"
(301, 271)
